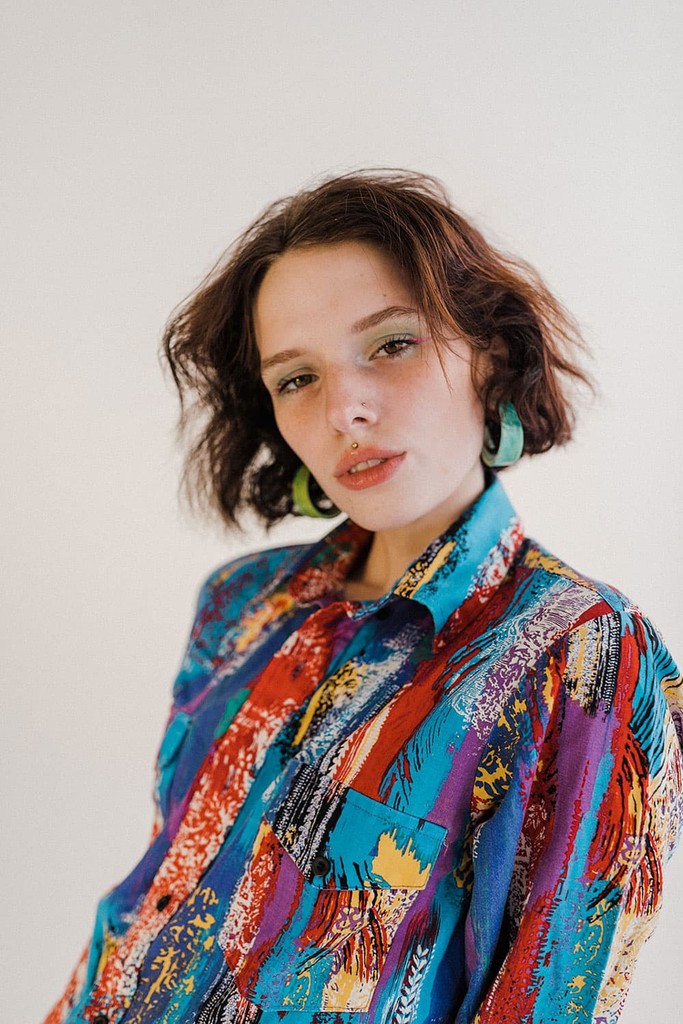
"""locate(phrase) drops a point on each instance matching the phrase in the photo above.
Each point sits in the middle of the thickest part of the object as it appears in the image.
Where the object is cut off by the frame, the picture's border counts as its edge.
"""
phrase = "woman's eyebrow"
(281, 357)
(374, 319)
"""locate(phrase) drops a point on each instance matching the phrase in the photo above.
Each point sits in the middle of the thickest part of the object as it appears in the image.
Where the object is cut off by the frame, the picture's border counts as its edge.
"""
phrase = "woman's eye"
(395, 346)
(296, 383)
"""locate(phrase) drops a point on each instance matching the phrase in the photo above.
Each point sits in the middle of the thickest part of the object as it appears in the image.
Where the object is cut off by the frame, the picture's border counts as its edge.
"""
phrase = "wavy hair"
(238, 460)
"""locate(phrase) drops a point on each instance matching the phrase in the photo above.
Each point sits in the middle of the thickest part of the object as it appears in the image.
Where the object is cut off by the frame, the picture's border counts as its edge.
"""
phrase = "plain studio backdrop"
(140, 138)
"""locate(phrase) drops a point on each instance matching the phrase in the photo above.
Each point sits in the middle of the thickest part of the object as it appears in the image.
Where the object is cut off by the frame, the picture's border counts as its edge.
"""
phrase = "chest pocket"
(332, 875)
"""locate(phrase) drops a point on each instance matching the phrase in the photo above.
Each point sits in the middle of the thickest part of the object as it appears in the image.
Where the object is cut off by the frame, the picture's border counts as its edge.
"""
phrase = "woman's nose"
(349, 402)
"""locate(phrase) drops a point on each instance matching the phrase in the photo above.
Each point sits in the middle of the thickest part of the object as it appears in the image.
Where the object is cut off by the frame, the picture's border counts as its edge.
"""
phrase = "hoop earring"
(511, 444)
(303, 502)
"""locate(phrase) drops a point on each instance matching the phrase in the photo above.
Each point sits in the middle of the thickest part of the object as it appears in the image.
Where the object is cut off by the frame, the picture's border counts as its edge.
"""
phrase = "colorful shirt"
(452, 804)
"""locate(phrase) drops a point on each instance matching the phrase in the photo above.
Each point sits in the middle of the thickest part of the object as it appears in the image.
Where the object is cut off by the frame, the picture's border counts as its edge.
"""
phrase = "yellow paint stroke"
(399, 867)
(166, 964)
(108, 946)
(206, 922)
(537, 560)
(346, 991)
(548, 686)
(485, 783)
(412, 581)
(346, 680)
(255, 623)
(509, 716)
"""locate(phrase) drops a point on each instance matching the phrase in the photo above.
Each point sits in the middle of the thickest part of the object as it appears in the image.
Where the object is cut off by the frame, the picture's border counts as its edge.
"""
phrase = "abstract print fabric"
(452, 804)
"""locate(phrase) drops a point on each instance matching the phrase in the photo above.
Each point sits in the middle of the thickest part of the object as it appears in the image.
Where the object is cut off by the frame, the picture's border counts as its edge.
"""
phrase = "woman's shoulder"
(608, 641)
(224, 594)
(576, 592)
(256, 570)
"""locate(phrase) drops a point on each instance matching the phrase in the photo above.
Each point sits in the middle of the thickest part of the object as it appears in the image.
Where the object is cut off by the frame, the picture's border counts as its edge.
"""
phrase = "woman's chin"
(382, 517)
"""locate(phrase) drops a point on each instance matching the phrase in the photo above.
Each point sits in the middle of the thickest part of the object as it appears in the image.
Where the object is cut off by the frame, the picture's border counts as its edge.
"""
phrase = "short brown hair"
(461, 283)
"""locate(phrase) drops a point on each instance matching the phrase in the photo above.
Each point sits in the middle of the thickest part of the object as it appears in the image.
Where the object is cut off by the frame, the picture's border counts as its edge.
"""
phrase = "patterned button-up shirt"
(452, 804)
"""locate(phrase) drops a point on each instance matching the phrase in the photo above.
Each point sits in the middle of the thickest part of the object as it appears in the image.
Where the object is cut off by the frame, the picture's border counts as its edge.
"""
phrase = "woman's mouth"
(367, 468)
(366, 465)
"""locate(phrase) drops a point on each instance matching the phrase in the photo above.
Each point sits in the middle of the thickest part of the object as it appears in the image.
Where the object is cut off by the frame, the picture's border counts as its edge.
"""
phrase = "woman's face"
(346, 357)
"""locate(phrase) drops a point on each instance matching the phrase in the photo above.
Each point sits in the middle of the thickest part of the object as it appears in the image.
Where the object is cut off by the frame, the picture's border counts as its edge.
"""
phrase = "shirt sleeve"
(115, 908)
(579, 843)
(196, 669)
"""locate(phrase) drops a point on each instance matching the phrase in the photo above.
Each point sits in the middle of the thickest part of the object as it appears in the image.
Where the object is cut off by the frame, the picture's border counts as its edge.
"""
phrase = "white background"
(139, 138)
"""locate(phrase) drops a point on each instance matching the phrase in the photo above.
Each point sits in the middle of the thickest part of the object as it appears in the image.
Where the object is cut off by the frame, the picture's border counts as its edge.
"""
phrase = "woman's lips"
(367, 467)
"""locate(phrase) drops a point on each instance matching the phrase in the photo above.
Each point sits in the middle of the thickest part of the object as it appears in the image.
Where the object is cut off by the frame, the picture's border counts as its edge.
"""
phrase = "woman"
(421, 770)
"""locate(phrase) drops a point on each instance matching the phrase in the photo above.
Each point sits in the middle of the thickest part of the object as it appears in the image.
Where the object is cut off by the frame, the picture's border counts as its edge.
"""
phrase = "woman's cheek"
(294, 424)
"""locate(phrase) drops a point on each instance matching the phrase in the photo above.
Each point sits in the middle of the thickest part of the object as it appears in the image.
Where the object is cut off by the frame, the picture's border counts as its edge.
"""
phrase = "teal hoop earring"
(303, 502)
(511, 444)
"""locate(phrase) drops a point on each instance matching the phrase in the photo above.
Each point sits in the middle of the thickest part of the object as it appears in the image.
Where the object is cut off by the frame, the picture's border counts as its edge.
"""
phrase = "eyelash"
(406, 340)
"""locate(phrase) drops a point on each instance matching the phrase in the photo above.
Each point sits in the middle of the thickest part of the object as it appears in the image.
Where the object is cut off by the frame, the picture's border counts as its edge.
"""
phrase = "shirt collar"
(455, 574)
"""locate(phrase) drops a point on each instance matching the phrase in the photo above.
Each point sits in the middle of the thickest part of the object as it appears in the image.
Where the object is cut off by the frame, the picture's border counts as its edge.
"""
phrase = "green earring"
(303, 502)
(511, 444)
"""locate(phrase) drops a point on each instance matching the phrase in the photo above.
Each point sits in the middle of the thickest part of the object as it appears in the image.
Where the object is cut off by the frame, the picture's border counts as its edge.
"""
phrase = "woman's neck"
(392, 551)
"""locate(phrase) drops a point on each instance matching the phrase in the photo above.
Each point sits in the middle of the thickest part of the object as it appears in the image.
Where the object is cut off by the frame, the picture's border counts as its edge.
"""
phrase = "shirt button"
(101, 1018)
(320, 865)
(163, 901)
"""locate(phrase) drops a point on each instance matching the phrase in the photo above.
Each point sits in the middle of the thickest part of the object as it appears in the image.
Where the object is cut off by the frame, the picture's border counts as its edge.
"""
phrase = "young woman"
(421, 770)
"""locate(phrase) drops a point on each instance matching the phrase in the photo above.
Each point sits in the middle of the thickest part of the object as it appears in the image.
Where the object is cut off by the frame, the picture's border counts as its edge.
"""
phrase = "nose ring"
(355, 444)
